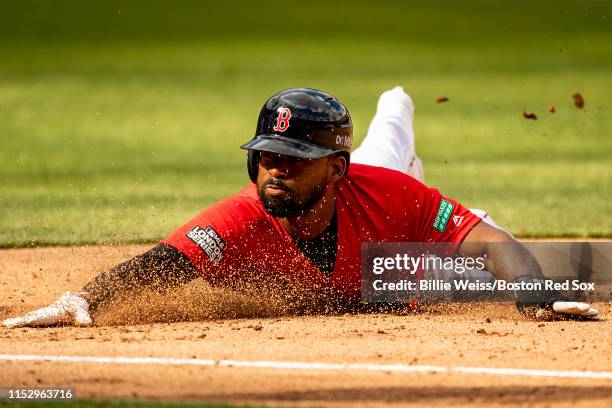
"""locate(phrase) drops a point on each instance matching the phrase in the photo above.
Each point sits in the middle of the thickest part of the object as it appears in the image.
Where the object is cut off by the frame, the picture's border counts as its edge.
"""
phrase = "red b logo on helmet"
(282, 121)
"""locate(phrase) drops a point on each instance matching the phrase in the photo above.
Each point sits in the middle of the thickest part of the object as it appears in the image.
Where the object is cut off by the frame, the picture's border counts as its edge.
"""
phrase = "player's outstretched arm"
(507, 259)
(160, 268)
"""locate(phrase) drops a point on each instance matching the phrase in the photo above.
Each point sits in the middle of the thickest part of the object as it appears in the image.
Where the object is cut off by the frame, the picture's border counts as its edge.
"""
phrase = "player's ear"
(337, 166)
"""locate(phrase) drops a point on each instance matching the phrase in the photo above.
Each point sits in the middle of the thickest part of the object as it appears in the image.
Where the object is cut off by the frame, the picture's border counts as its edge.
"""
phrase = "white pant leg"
(390, 143)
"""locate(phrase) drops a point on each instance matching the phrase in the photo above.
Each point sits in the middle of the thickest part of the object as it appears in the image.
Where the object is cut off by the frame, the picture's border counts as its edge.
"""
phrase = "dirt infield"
(227, 326)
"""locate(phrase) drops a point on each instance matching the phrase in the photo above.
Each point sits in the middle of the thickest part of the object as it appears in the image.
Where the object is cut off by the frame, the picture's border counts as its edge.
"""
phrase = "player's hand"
(576, 309)
(70, 309)
(550, 305)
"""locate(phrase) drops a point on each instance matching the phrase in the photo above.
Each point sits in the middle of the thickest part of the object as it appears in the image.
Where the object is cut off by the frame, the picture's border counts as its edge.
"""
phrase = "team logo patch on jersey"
(209, 241)
(445, 210)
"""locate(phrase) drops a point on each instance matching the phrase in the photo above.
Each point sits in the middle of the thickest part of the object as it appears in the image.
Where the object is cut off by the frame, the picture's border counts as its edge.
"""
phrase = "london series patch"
(209, 241)
(444, 212)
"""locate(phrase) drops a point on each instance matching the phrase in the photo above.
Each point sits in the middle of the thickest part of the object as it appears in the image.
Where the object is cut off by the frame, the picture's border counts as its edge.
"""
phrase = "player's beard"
(289, 205)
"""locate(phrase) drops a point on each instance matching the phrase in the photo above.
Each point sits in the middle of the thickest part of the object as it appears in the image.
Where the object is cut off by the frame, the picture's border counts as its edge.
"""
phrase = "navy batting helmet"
(300, 122)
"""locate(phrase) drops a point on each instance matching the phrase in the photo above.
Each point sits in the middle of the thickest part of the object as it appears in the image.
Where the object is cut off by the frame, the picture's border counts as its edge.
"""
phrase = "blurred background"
(120, 120)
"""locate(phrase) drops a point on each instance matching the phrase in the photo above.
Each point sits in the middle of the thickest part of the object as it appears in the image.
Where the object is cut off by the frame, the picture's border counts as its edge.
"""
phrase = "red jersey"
(236, 240)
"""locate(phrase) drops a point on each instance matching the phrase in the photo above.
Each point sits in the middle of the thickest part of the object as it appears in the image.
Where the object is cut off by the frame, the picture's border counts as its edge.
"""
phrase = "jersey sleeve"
(444, 219)
(217, 237)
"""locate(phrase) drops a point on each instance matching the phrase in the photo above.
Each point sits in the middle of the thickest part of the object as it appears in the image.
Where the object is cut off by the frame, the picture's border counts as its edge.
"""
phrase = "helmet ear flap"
(253, 157)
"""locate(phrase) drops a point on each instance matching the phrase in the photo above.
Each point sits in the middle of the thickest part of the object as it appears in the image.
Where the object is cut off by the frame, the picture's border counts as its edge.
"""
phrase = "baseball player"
(299, 225)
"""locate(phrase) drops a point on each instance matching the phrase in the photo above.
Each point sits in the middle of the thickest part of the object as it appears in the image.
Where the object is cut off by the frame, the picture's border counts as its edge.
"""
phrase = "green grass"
(121, 121)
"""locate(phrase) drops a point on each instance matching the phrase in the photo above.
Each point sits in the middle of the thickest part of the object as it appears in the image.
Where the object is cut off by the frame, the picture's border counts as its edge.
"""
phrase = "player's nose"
(279, 172)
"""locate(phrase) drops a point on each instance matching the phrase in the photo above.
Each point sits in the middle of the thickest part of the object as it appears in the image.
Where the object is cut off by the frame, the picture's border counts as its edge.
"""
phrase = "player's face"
(289, 186)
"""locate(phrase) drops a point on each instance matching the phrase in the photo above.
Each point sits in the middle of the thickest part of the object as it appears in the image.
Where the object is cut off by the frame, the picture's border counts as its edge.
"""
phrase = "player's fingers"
(576, 309)
(571, 307)
(42, 317)
(14, 322)
(46, 316)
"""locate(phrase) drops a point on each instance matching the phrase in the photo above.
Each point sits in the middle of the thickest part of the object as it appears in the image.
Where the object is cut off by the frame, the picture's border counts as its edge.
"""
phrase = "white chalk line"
(295, 365)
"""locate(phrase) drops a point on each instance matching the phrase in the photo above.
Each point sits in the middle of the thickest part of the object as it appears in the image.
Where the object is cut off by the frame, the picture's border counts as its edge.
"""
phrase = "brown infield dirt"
(207, 323)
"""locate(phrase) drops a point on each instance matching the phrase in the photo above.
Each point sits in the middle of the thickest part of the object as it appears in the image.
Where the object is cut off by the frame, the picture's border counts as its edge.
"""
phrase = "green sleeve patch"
(444, 212)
